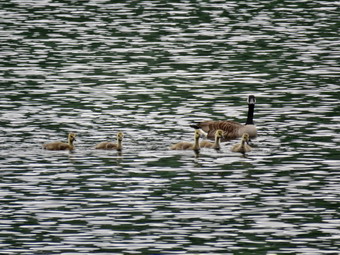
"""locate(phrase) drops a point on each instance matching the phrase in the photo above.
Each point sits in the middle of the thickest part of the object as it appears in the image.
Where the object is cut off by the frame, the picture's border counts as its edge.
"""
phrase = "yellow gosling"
(112, 146)
(187, 145)
(216, 145)
(59, 146)
(242, 147)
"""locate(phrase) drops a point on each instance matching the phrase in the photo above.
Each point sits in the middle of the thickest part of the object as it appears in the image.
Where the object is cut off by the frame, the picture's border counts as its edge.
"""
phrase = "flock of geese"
(219, 130)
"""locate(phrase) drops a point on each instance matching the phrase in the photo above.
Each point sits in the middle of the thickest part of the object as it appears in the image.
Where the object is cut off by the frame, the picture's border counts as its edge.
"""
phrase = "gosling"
(216, 145)
(187, 145)
(112, 146)
(242, 147)
(59, 146)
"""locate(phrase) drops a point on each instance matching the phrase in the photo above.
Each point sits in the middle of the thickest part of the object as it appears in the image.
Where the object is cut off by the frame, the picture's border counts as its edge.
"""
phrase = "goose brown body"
(59, 146)
(216, 145)
(243, 146)
(231, 129)
(111, 145)
(188, 145)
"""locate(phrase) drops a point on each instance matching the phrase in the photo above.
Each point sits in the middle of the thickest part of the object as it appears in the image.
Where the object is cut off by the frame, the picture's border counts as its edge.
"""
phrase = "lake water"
(149, 69)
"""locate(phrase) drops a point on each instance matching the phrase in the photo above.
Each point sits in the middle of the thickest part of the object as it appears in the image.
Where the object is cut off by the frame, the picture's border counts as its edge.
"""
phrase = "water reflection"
(149, 69)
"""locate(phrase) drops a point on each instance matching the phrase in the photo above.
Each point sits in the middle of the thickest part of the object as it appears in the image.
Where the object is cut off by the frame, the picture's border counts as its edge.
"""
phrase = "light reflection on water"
(150, 69)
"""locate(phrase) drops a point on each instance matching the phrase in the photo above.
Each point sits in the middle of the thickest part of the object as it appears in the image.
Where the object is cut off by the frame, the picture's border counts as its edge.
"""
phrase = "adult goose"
(187, 145)
(59, 146)
(112, 146)
(243, 146)
(231, 129)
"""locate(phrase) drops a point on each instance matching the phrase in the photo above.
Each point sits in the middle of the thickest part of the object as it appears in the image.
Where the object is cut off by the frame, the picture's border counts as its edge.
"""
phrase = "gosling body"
(187, 145)
(59, 146)
(110, 145)
(243, 146)
(215, 145)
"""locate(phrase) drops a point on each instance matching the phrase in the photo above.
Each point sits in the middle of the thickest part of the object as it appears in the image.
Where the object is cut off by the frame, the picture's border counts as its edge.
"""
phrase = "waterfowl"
(231, 129)
(112, 146)
(187, 145)
(242, 147)
(216, 145)
(59, 146)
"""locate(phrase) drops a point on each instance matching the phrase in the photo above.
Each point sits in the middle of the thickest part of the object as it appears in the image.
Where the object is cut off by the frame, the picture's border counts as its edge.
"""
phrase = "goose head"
(251, 99)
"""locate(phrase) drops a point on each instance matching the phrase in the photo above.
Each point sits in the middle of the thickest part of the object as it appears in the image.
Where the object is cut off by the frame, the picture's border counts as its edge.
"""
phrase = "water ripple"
(149, 69)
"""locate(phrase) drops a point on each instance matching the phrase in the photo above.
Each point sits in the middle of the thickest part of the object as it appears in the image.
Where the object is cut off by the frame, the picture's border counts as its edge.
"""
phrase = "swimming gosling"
(112, 146)
(187, 145)
(242, 147)
(60, 146)
(215, 145)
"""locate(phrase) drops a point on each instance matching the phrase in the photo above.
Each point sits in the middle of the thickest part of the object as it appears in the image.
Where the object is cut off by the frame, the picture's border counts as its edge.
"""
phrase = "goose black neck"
(250, 117)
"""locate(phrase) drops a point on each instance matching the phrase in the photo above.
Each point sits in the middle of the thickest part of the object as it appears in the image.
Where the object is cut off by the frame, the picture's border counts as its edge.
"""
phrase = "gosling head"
(72, 137)
(251, 99)
(197, 134)
(219, 133)
(245, 137)
(202, 133)
(120, 136)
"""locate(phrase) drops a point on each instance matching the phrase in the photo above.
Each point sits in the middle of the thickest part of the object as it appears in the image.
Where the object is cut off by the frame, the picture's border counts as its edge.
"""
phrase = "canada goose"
(59, 146)
(243, 146)
(112, 146)
(188, 146)
(216, 145)
(231, 129)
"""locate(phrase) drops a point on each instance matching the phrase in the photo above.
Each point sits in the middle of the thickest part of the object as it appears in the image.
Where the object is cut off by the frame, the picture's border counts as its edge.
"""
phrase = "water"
(149, 69)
